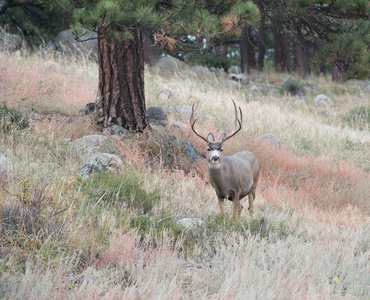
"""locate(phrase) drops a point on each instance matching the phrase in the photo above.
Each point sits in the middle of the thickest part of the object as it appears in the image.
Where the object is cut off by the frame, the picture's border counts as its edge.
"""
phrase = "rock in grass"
(96, 144)
(241, 78)
(366, 87)
(164, 94)
(6, 168)
(271, 139)
(89, 108)
(156, 115)
(9, 42)
(235, 70)
(117, 129)
(322, 101)
(190, 223)
(101, 162)
(202, 72)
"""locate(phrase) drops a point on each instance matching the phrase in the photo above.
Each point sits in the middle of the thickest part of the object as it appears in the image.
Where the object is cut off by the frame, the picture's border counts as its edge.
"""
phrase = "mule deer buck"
(233, 177)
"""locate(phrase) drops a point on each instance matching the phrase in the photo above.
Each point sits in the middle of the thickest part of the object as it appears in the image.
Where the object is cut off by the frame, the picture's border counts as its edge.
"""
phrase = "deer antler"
(237, 122)
(192, 121)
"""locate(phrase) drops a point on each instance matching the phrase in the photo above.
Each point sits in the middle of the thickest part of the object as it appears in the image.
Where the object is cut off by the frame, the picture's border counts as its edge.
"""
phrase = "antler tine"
(192, 121)
(237, 122)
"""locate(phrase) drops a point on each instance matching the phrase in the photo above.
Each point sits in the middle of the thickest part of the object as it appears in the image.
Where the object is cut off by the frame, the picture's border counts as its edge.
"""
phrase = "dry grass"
(309, 237)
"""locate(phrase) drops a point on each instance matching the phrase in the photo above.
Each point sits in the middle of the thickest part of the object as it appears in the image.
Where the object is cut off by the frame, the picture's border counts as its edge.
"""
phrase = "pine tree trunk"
(281, 49)
(151, 51)
(302, 59)
(337, 73)
(121, 98)
(262, 41)
(223, 50)
(247, 51)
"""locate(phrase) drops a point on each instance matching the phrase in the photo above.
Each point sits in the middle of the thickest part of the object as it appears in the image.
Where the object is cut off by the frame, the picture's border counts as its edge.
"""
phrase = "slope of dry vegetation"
(116, 236)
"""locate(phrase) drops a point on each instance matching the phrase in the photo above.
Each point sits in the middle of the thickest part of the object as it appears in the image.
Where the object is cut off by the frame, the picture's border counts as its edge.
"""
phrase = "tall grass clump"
(357, 117)
(122, 192)
(11, 119)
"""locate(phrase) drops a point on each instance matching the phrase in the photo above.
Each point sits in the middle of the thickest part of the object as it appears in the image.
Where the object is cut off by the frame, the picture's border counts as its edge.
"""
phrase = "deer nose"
(215, 158)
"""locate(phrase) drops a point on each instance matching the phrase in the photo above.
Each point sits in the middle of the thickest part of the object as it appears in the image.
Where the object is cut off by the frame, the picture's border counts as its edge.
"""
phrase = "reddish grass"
(122, 249)
(25, 82)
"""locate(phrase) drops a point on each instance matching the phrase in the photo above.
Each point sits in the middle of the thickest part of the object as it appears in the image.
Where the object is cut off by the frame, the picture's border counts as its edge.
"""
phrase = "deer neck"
(216, 173)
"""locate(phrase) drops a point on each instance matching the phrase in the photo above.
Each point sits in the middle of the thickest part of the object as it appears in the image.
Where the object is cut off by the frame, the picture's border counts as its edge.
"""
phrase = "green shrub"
(118, 190)
(293, 87)
(32, 217)
(11, 119)
(358, 117)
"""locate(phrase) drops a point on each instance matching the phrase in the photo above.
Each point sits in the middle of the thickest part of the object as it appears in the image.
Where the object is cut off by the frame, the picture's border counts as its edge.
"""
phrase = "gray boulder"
(9, 42)
(169, 64)
(101, 162)
(188, 150)
(322, 101)
(51, 65)
(366, 87)
(190, 223)
(96, 144)
(6, 168)
(202, 72)
(239, 78)
(235, 70)
(66, 43)
(156, 115)
(164, 94)
(89, 108)
(271, 139)
(184, 109)
(293, 86)
(233, 84)
(117, 129)
(288, 78)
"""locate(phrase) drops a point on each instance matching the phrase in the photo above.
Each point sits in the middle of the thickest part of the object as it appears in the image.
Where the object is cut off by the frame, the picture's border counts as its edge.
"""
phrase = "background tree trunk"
(247, 51)
(151, 52)
(223, 49)
(302, 59)
(336, 73)
(281, 49)
(261, 44)
(121, 98)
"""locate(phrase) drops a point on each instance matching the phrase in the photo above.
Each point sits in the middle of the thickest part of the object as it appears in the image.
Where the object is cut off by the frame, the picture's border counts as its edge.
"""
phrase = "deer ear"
(222, 137)
(210, 137)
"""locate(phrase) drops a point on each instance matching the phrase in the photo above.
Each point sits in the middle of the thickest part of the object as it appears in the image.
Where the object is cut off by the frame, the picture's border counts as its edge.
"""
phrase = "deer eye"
(221, 149)
(208, 149)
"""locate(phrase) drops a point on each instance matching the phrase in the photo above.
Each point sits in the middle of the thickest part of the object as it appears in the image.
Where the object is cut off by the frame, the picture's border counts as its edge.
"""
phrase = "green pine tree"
(120, 25)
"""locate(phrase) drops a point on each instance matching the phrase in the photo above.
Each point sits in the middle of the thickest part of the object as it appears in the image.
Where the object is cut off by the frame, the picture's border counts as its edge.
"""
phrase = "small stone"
(190, 223)
(101, 162)
(164, 94)
(89, 108)
(270, 138)
(322, 101)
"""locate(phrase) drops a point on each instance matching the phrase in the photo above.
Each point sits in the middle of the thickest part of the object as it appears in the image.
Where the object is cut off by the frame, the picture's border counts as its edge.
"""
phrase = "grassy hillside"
(117, 236)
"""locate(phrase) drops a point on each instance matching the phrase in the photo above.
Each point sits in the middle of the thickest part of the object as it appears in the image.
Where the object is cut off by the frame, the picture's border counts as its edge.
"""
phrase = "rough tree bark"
(302, 59)
(151, 51)
(281, 49)
(121, 98)
(337, 73)
(247, 51)
(261, 36)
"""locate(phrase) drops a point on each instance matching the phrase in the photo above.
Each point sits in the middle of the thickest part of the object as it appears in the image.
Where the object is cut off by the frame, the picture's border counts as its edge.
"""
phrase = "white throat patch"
(214, 165)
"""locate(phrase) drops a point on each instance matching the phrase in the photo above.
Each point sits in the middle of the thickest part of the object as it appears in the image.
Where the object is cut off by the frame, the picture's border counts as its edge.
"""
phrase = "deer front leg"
(237, 207)
(221, 202)
(251, 197)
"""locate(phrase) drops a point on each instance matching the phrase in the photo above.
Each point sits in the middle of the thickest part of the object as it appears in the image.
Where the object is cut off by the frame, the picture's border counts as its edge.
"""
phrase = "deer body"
(233, 177)
(241, 166)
